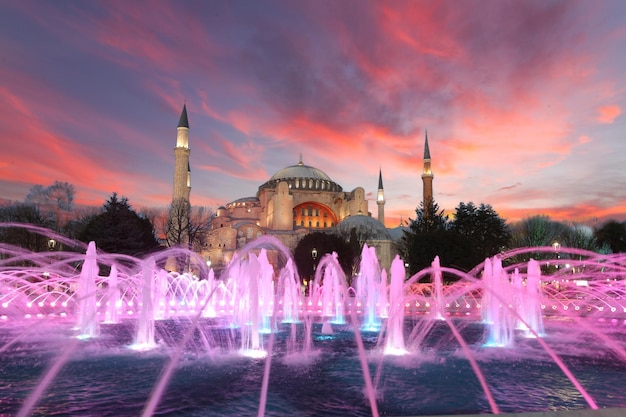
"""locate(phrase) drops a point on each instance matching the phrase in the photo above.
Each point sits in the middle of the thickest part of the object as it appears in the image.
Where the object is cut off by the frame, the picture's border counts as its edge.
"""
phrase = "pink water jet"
(87, 321)
(253, 296)
(394, 339)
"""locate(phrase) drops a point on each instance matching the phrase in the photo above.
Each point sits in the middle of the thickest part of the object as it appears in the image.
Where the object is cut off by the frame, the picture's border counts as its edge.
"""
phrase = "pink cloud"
(41, 152)
(608, 114)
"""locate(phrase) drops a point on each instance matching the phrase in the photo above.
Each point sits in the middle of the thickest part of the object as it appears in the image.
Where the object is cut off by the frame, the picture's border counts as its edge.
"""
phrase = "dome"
(300, 171)
(368, 226)
(303, 177)
(242, 202)
(397, 233)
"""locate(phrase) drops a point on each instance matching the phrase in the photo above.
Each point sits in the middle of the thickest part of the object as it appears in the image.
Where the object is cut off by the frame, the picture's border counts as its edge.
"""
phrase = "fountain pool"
(109, 335)
(105, 378)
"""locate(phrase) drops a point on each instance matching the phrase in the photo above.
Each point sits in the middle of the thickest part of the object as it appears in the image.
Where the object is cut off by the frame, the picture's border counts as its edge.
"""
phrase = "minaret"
(427, 177)
(178, 220)
(380, 199)
(182, 172)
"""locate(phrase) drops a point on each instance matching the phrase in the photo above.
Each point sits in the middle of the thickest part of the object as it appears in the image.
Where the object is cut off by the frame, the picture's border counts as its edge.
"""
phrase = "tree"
(52, 200)
(582, 237)
(537, 231)
(187, 226)
(119, 229)
(312, 248)
(613, 235)
(428, 236)
(543, 231)
(357, 233)
(199, 227)
(20, 236)
(481, 233)
(78, 222)
(178, 224)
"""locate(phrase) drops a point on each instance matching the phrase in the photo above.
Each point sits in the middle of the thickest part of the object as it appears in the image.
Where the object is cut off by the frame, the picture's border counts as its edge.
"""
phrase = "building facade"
(296, 200)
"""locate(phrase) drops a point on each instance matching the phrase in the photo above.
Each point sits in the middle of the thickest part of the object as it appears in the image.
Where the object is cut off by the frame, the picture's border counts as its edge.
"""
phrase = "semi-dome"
(367, 226)
(304, 177)
(243, 202)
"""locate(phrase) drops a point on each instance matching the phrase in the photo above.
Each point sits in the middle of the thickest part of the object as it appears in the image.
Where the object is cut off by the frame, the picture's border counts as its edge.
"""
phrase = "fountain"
(86, 332)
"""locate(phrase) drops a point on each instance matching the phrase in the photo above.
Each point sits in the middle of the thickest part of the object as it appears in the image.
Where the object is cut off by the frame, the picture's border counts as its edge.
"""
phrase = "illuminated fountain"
(106, 334)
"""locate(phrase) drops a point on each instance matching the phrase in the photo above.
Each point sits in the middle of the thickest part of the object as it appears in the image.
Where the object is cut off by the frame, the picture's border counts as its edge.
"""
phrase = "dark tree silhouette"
(477, 232)
(612, 234)
(19, 236)
(426, 238)
(119, 229)
(314, 246)
(480, 233)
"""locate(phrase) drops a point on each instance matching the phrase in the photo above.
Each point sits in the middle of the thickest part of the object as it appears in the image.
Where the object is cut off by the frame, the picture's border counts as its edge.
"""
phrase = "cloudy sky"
(523, 101)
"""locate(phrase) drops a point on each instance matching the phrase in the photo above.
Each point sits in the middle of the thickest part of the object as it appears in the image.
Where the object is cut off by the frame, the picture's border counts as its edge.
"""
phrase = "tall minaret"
(427, 176)
(380, 199)
(182, 172)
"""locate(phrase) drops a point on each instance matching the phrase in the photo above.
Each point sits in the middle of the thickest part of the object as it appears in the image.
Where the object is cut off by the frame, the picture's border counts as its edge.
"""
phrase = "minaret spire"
(183, 121)
(380, 199)
(182, 171)
(427, 178)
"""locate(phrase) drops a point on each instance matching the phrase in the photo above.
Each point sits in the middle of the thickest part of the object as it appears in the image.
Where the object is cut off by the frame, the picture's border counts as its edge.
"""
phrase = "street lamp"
(556, 246)
(51, 244)
(314, 256)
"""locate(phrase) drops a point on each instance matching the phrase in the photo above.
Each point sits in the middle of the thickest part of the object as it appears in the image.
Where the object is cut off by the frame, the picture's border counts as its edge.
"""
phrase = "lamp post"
(556, 246)
(51, 245)
(314, 256)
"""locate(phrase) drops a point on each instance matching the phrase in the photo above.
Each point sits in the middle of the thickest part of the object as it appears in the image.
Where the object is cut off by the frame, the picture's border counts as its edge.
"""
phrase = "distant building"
(295, 201)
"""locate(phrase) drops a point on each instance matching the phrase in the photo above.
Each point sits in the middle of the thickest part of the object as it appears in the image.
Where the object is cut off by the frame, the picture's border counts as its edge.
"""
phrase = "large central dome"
(303, 177)
(300, 171)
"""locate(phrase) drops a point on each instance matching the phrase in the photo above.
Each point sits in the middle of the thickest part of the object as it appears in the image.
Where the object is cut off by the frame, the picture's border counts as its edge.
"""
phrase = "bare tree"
(187, 226)
(537, 231)
(52, 200)
(158, 217)
(200, 226)
(178, 222)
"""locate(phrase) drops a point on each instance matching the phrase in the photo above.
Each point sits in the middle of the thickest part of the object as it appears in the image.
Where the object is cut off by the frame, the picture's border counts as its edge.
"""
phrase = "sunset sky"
(523, 101)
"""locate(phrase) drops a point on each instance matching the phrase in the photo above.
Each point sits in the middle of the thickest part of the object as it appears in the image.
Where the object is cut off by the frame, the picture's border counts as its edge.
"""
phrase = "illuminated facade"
(295, 201)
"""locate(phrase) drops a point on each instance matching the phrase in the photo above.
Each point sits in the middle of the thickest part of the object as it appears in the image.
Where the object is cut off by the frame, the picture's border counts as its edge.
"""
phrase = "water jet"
(504, 337)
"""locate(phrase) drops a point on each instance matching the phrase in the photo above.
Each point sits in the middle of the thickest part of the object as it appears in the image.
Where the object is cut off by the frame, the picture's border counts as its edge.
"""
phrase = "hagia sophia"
(296, 200)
